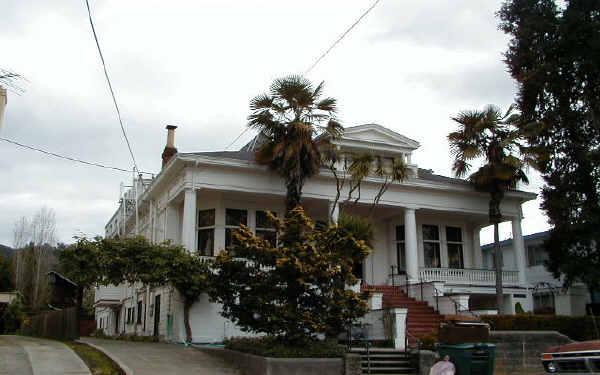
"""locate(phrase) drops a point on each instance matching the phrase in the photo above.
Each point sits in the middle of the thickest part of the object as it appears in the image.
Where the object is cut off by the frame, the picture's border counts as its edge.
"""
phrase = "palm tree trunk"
(498, 268)
(293, 193)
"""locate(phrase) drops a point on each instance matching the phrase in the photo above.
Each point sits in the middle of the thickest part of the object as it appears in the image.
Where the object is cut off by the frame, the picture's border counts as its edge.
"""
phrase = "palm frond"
(399, 169)
(262, 101)
(460, 167)
(327, 104)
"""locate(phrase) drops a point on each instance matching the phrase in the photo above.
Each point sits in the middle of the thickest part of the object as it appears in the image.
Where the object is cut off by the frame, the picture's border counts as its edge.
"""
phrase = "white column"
(410, 241)
(477, 256)
(519, 247)
(188, 230)
(334, 211)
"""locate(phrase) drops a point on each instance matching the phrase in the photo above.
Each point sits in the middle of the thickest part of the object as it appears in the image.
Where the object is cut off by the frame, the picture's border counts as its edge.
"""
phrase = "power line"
(324, 54)
(238, 137)
(342, 36)
(112, 93)
(70, 158)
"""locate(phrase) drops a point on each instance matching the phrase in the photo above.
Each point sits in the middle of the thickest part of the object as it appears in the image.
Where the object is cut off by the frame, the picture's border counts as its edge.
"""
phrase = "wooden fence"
(60, 325)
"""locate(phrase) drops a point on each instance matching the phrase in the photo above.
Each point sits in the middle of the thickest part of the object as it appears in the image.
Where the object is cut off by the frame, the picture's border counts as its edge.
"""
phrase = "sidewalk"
(29, 355)
(145, 358)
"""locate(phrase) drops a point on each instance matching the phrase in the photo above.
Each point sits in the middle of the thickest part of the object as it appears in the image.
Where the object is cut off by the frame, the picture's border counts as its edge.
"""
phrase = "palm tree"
(495, 138)
(289, 118)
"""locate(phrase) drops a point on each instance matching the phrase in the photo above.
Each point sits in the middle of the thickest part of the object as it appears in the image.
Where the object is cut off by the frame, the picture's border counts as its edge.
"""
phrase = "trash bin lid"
(464, 346)
(456, 346)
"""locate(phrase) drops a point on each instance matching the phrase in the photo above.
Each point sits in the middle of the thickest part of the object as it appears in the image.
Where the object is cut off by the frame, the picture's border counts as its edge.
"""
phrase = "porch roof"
(423, 174)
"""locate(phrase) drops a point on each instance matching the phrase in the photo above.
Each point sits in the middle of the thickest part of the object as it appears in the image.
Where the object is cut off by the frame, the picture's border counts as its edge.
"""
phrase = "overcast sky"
(409, 66)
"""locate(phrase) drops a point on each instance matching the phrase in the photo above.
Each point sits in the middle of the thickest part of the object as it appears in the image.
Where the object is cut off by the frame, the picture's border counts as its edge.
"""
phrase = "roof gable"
(375, 134)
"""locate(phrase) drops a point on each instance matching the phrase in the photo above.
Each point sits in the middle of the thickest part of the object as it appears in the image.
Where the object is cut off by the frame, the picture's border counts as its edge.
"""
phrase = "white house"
(426, 230)
(548, 294)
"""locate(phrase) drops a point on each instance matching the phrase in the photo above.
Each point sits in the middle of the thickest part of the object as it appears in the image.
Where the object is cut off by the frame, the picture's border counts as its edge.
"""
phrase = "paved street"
(144, 358)
(32, 356)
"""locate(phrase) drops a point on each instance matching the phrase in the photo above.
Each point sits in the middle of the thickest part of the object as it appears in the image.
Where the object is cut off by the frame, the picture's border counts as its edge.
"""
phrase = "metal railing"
(417, 291)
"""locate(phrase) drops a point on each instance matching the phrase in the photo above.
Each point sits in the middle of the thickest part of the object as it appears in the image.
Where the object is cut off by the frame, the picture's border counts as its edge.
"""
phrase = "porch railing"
(467, 276)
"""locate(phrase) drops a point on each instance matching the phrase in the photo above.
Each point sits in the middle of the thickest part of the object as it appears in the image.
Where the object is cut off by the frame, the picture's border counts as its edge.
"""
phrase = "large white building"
(548, 294)
(426, 230)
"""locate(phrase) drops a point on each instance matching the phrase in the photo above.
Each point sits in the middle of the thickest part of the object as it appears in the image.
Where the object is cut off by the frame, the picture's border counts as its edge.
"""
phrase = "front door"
(156, 314)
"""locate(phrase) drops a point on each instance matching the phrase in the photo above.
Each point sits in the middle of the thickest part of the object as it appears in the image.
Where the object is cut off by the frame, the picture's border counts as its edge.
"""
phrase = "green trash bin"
(470, 359)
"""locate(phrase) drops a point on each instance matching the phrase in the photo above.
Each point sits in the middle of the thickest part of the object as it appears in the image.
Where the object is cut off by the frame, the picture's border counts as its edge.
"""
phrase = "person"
(444, 367)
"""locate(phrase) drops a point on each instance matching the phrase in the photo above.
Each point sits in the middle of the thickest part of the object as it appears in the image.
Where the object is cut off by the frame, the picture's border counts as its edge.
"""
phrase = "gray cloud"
(457, 25)
(197, 65)
(485, 82)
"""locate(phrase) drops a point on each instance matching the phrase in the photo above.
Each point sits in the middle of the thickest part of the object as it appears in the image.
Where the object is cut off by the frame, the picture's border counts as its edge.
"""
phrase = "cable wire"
(342, 36)
(70, 158)
(238, 137)
(112, 93)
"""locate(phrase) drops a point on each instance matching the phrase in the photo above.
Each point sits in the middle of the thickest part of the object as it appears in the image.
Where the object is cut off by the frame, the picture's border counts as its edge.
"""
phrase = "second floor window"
(536, 255)
(455, 247)
(431, 246)
(206, 232)
(233, 219)
(265, 228)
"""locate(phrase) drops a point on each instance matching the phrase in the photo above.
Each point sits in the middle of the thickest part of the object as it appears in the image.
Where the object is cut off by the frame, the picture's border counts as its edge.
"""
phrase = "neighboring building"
(549, 296)
(426, 230)
(64, 291)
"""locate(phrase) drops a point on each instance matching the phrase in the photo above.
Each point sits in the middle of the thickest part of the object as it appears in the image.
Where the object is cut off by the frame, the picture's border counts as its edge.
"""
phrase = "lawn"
(97, 361)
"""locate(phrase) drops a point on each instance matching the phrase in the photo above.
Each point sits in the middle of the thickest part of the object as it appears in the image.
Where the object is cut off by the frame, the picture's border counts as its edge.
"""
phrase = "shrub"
(278, 347)
(294, 289)
(428, 340)
(578, 328)
(13, 316)
(98, 333)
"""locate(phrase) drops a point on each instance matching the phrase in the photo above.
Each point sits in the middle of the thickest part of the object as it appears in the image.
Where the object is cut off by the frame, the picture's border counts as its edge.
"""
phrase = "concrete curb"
(123, 367)
(76, 356)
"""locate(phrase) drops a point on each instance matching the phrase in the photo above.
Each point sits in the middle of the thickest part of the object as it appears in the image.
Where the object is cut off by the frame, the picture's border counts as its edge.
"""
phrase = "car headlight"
(551, 367)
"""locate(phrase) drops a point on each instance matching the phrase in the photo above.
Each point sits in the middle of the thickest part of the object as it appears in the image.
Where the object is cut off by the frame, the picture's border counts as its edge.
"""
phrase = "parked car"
(575, 358)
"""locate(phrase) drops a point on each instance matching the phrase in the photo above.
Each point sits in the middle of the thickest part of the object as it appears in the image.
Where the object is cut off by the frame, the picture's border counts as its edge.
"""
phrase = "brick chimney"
(170, 149)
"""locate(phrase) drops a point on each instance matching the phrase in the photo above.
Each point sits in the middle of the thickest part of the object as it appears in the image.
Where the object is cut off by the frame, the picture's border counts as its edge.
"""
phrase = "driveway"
(32, 356)
(150, 358)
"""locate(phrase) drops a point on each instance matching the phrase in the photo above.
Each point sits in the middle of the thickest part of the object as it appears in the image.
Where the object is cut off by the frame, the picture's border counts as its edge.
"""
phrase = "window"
(129, 315)
(233, 220)
(536, 255)
(206, 232)
(455, 247)
(400, 250)
(139, 312)
(265, 228)
(543, 303)
(431, 246)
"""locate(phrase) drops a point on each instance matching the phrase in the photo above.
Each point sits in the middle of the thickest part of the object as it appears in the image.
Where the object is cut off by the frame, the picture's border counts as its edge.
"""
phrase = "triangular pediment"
(378, 135)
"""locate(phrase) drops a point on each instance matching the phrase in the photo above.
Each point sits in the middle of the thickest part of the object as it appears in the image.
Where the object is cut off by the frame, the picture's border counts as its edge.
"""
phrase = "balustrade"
(467, 276)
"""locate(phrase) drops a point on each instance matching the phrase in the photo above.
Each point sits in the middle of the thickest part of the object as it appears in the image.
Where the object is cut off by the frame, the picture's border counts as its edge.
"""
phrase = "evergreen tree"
(554, 55)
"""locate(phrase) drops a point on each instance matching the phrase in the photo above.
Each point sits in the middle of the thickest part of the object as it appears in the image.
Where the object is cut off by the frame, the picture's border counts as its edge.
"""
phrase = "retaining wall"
(518, 352)
(256, 365)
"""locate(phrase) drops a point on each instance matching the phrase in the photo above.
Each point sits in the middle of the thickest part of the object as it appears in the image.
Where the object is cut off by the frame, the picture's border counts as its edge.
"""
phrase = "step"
(388, 370)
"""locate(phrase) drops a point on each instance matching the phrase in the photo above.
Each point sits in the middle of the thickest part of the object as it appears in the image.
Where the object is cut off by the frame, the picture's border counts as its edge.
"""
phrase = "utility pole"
(9, 81)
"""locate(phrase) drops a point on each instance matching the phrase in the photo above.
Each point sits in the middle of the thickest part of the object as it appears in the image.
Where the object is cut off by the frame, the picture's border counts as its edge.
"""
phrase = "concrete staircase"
(421, 317)
(384, 361)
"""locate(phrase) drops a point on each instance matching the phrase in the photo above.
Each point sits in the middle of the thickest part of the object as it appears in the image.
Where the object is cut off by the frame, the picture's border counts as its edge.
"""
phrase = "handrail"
(437, 293)
(456, 304)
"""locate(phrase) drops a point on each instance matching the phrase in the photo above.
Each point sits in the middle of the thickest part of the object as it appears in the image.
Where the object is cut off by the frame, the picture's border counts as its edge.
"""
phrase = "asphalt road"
(21, 355)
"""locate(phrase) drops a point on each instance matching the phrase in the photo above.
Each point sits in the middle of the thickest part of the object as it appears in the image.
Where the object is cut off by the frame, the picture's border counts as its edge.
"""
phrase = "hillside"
(6, 251)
